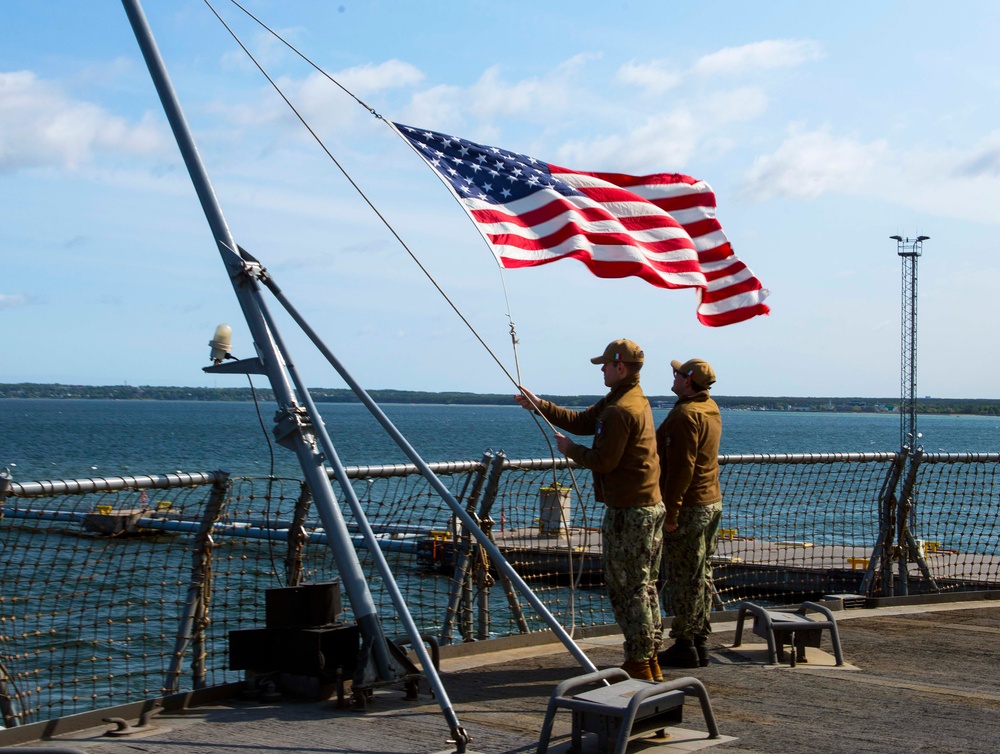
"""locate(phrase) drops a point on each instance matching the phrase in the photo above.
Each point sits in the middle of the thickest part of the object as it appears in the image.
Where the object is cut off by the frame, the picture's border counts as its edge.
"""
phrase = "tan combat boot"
(654, 669)
(638, 669)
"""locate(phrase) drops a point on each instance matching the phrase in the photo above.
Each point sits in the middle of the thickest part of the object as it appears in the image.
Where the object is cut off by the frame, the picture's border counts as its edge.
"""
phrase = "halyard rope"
(513, 334)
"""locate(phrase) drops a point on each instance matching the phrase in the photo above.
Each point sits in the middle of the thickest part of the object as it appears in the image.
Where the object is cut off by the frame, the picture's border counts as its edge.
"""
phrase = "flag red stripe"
(732, 317)
(702, 227)
(624, 180)
(718, 254)
(744, 286)
(673, 204)
(717, 273)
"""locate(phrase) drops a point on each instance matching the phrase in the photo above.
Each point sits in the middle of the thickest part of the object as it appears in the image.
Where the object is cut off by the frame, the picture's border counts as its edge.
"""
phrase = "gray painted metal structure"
(300, 427)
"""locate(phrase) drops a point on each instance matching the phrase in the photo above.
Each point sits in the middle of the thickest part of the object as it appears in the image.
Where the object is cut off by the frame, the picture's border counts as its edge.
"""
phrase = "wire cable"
(575, 576)
(354, 184)
(270, 483)
(515, 381)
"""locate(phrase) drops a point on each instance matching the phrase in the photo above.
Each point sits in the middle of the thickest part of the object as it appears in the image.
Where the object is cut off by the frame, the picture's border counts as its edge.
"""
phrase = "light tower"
(909, 250)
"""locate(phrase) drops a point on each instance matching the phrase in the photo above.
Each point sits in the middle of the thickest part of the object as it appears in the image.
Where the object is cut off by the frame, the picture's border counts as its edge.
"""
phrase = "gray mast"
(295, 427)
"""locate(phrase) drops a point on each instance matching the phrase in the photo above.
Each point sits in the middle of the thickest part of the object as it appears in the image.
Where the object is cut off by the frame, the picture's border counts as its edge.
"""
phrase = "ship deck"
(919, 677)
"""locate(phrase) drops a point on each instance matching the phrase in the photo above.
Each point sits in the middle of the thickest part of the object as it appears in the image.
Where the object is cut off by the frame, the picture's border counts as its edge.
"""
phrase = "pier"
(742, 565)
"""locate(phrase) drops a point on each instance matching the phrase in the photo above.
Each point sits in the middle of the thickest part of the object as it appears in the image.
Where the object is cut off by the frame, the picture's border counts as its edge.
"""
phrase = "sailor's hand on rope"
(526, 399)
(563, 443)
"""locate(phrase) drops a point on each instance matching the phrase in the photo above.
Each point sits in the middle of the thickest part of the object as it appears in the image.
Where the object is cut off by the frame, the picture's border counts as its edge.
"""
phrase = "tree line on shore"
(974, 406)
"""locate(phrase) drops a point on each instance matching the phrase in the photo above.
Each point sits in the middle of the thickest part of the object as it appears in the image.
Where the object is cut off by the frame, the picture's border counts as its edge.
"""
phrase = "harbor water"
(68, 439)
(61, 439)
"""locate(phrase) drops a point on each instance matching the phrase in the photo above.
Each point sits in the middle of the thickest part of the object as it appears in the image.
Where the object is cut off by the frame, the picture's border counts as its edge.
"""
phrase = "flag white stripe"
(733, 303)
(709, 241)
(724, 282)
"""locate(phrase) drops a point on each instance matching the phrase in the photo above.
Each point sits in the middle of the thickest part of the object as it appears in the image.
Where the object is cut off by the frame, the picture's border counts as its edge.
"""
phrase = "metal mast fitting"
(909, 250)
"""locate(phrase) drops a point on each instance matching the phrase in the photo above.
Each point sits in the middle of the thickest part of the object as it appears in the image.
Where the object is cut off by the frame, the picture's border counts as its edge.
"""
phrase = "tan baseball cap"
(698, 370)
(620, 350)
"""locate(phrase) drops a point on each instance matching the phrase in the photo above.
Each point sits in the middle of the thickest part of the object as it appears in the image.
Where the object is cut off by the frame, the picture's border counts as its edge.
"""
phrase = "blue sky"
(823, 128)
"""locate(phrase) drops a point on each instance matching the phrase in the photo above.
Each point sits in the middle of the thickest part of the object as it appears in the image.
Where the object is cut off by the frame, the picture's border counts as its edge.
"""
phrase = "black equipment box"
(301, 606)
(322, 652)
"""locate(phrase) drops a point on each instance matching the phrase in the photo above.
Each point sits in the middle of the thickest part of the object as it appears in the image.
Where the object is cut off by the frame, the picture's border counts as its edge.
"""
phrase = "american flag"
(659, 227)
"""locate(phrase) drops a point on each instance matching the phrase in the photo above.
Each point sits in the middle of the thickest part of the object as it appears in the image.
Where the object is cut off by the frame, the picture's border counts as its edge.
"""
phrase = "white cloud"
(668, 140)
(963, 184)
(920, 181)
(368, 79)
(316, 95)
(12, 300)
(662, 142)
(945, 183)
(320, 100)
(394, 88)
(536, 99)
(775, 53)
(734, 106)
(42, 126)
(266, 48)
(654, 76)
(437, 105)
(533, 98)
(492, 96)
(807, 165)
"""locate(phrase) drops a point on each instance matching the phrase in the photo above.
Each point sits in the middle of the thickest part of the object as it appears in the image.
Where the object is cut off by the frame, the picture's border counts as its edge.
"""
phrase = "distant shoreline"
(970, 406)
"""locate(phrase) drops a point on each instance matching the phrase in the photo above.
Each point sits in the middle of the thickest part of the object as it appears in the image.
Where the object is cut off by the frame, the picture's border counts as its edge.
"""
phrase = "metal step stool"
(792, 627)
(625, 708)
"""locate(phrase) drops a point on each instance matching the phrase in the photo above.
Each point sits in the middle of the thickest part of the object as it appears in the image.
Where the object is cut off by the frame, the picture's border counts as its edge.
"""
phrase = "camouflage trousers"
(632, 540)
(687, 570)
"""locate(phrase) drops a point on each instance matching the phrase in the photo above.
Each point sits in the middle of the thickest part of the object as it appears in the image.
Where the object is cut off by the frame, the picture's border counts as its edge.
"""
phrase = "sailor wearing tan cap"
(688, 446)
(626, 474)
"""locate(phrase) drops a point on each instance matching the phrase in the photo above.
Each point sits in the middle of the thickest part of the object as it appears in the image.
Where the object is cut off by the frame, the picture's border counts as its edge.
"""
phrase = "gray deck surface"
(919, 679)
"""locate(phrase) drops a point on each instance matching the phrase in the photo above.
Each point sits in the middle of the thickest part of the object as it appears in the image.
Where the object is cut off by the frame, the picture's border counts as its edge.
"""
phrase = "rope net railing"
(798, 526)
(954, 510)
(90, 597)
(125, 589)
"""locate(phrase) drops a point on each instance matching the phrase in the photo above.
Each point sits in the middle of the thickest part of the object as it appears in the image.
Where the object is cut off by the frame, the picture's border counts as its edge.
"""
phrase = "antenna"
(909, 250)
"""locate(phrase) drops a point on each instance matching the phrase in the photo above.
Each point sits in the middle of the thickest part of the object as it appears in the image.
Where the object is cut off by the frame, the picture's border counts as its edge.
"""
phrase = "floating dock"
(741, 564)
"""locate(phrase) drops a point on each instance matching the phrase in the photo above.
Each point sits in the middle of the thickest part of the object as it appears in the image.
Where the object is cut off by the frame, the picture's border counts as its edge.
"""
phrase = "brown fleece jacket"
(623, 456)
(688, 444)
